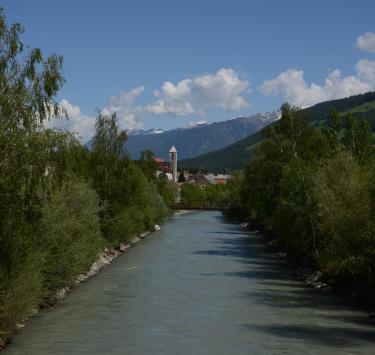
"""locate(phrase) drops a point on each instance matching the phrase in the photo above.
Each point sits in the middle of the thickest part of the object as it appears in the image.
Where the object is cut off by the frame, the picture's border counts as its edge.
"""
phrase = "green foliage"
(130, 193)
(358, 139)
(27, 90)
(146, 208)
(21, 279)
(148, 164)
(235, 156)
(232, 196)
(344, 192)
(69, 233)
(127, 224)
(108, 153)
(193, 196)
(57, 199)
(166, 189)
(313, 188)
(335, 119)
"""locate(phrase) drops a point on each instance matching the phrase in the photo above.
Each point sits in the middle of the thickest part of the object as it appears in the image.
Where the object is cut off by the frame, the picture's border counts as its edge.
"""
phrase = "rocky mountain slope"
(197, 140)
(236, 155)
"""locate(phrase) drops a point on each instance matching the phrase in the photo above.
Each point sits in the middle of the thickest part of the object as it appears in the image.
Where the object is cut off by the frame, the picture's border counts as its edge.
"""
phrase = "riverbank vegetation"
(313, 188)
(60, 203)
(194, 196)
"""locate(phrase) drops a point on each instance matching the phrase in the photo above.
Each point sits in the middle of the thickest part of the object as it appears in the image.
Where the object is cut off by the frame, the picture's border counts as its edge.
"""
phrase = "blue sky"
(220, 59)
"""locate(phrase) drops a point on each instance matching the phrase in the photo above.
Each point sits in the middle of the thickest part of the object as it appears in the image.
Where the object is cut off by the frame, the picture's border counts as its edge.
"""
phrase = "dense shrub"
(314, 189)
(212, 196)
(344, 193)
(127, 224)
(21, 280)
(69, 233)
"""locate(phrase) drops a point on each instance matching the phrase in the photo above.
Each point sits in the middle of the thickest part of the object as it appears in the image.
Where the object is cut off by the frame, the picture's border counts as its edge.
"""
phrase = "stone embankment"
(105, 258)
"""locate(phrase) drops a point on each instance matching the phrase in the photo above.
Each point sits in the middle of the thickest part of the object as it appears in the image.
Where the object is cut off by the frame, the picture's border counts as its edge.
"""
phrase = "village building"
(198, 180)
(168, 168)
(217, 179)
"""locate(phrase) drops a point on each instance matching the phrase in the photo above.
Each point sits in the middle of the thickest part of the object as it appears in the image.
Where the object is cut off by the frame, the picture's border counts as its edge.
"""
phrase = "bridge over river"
(200, 286)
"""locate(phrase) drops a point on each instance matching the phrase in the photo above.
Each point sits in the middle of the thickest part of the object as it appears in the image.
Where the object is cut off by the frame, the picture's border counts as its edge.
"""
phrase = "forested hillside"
(235, 156)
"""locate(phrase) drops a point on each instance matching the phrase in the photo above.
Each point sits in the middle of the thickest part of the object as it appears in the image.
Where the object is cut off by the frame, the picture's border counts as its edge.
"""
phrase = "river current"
(199, 286)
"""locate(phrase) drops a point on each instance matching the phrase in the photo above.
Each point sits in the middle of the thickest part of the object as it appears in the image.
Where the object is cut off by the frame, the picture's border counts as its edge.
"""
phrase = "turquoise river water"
(200, 286)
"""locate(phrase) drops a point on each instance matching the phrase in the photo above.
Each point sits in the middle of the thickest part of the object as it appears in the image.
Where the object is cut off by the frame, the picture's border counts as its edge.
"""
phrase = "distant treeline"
(194, 196)
(314, 188)
(60, 204)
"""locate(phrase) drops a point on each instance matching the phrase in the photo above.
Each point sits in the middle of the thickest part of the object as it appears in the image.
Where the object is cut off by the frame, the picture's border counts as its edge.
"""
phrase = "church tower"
(173, 160)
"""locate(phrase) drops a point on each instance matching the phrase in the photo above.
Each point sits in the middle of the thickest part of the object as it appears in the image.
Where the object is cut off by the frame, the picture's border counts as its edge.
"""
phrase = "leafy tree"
(364, 142)
(166, 189)
(56, 196)
(212, 196)
(313, 188)
(127, 191)
(28, 85)
(192, 196)
(107, 147)
(335, 119)
(148, 164)
(343, 191)
(70, 233)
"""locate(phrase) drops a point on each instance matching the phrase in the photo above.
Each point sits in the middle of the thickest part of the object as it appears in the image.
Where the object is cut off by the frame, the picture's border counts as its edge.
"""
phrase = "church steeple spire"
(173, 160)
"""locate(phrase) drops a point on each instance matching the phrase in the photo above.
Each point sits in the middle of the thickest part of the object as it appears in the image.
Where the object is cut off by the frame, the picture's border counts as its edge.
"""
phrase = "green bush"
(167, 190)
(134, 219)
(344, 194)
(70, 233)
(314, 189)
(21, 279)
(127, 224)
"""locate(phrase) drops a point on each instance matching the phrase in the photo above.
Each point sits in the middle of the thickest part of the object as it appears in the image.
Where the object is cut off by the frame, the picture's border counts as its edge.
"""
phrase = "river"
(200, 286)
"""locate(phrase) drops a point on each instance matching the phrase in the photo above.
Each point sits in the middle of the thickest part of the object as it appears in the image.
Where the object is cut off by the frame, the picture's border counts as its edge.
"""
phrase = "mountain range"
(197, 140)
(236, 155)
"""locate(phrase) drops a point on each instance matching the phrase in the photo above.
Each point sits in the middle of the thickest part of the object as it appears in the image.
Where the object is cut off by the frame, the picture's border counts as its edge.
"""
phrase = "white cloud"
(223, 89)
(366, 71)
(129, 117)
(366, 42)
(293, 87)
(123, 105)
(77, 122)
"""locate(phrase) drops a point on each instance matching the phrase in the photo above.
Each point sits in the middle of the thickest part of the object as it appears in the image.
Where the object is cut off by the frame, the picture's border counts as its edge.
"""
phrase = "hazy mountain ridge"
(199, 139)
(236, 155)
(137, 132)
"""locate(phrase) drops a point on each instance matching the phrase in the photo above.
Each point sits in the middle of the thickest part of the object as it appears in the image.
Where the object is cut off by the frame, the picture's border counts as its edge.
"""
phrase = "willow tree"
(108, 148)
(28, 85)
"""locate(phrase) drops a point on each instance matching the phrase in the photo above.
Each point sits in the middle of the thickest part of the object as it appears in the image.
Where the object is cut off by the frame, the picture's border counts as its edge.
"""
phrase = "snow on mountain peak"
(193, 124)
